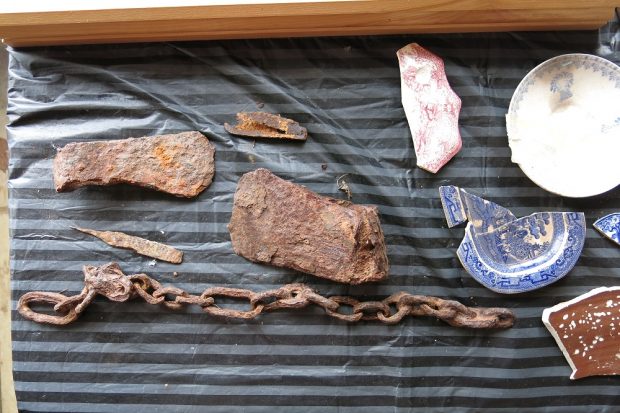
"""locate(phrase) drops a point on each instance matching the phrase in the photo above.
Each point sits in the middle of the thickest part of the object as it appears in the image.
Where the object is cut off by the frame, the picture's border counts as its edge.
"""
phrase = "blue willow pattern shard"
(508, 254)
(460, 206)
(609, 226)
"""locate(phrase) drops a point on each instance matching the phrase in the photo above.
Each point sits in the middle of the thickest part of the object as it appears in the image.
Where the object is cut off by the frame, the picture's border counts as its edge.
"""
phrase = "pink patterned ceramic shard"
(431, 106)
(587, 330)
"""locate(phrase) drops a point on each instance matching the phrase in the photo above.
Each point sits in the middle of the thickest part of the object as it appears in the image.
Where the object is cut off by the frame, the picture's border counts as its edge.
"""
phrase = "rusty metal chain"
(109, 281)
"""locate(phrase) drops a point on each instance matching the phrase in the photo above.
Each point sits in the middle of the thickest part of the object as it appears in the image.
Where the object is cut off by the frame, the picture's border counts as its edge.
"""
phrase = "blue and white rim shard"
(609, 226)
(460, 206)
(512, 255)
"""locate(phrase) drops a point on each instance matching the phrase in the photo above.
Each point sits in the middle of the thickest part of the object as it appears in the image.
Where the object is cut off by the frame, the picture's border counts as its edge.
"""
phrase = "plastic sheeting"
(346, 91)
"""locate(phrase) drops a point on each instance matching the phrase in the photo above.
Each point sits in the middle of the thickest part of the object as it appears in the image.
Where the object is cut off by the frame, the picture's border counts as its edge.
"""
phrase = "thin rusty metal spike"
(110, 282)
(266, 125)
(142, 246)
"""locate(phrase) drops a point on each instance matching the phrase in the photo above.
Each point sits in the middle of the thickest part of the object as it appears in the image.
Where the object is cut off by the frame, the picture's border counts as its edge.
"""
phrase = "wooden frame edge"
(227, 20)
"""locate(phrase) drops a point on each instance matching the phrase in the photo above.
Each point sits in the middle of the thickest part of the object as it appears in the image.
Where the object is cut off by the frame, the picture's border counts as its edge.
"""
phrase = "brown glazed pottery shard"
(587, 329)
(266, 125)
(181, 164)
(279, 223)
(140, 245)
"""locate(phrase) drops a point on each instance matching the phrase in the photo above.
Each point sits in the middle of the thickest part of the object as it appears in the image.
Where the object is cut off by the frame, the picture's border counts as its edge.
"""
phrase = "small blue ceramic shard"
(609, 226)
(460, 206)
(510, 255)
(453, 208)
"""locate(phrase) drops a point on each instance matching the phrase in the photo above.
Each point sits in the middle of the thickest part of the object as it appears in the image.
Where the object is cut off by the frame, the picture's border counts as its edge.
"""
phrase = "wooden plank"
(8, 403)
(195, 31)
(278, 8)
(224, 19)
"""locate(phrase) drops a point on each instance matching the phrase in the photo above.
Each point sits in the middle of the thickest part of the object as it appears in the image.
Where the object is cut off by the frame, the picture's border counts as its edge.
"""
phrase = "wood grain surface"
(227, 20)
(7, 392)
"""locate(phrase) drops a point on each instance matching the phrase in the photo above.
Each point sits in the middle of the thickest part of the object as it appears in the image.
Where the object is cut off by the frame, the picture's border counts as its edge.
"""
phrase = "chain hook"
(109, 281)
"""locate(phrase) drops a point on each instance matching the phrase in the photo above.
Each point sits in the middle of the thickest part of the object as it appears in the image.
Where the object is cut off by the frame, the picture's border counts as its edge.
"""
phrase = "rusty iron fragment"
(266, 125)
(142, 246)
(110, 282)
(279, 223)
(181, 164)
(344, 186)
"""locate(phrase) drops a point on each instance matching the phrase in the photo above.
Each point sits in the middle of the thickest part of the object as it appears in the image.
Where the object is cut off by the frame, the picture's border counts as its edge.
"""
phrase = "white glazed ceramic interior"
(563, 125)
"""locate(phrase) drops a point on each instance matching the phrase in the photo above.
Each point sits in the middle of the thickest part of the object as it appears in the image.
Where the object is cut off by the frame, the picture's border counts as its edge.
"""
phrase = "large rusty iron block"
(283, 224)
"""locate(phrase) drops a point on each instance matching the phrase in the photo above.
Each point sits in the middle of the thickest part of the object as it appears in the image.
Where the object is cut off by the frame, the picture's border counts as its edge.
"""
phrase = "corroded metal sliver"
(181, 164)
(283, 224)
(140, 245)
(110, 282)
(587, 330)
(266, 125)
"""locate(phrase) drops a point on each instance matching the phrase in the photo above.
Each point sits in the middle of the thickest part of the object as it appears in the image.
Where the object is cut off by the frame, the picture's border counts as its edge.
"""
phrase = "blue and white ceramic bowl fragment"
(511, 255)
(609, 226)
(563, 125)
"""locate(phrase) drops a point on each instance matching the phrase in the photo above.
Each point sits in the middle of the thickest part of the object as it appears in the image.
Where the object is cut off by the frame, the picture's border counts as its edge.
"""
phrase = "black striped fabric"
(346, 91)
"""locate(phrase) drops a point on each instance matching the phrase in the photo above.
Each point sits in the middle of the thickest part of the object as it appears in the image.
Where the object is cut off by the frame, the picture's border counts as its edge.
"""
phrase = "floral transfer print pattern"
(562, 83)
(431, 107)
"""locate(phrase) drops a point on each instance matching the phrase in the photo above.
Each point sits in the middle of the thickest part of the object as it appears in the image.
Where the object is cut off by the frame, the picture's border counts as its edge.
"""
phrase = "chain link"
(109, 281)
